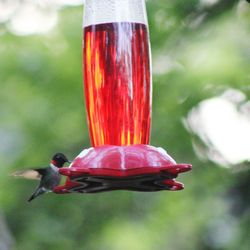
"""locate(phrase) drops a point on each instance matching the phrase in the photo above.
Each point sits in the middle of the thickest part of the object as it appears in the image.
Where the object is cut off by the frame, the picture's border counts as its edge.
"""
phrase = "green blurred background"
(201, 115)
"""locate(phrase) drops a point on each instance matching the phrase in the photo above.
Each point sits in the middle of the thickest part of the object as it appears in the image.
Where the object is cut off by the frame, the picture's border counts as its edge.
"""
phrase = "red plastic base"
(133, 167)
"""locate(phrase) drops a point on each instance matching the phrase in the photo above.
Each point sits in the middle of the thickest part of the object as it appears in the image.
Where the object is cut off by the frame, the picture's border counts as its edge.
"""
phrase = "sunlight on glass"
(223, 126)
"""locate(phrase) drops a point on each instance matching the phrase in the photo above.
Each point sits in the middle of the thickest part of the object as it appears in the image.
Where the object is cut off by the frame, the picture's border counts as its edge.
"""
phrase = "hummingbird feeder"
(118, 97)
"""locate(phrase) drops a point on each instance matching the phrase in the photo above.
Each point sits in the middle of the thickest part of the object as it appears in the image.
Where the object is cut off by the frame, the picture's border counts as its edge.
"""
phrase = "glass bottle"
(117, 72)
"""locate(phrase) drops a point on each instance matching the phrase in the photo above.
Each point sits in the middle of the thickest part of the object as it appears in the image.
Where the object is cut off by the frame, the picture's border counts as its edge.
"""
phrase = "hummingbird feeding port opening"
(118, 97)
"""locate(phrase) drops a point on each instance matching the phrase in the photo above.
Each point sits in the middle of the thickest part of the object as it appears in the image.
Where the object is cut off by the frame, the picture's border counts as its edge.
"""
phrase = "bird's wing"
(32, 174)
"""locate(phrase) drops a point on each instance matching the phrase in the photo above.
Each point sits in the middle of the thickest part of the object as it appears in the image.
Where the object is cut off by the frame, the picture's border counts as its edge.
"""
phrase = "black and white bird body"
(49, 177)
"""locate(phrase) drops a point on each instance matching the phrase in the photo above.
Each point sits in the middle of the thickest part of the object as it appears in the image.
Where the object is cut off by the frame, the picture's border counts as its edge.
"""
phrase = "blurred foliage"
(199, 49)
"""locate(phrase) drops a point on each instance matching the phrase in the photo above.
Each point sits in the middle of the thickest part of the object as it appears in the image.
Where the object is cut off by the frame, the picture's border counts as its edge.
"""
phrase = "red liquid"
(117, 83)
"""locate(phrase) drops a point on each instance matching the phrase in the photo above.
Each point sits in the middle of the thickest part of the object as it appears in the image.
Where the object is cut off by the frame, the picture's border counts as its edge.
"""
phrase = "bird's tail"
(38, 192)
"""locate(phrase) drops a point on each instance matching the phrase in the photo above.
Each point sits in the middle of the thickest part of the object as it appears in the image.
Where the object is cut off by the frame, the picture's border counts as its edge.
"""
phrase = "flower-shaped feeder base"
(133, 167)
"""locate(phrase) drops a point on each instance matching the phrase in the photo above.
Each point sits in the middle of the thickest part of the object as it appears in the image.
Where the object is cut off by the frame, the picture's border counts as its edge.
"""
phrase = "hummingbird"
(49, 177)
